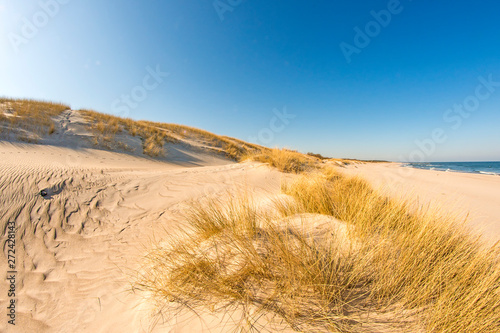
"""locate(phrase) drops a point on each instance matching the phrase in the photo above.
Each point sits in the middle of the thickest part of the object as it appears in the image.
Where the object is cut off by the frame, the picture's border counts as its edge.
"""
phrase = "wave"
(489, 173)
(485, 168)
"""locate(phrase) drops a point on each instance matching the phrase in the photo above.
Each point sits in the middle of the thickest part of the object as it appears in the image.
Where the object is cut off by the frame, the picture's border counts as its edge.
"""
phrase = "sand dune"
(77, 247)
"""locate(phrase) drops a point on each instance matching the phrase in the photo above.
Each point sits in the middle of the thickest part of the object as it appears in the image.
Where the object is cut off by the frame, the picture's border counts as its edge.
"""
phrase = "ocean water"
(488, 168)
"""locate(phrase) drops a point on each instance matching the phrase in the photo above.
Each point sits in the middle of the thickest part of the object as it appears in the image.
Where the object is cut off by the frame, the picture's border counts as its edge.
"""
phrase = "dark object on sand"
(43, 193)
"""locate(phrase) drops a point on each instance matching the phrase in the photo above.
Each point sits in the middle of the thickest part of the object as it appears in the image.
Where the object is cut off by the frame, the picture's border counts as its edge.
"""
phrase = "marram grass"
(407, 270)
(28, 120)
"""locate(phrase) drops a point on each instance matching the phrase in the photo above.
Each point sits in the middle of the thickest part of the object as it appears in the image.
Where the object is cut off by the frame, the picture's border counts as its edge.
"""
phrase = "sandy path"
(76, 248)
(474, 197)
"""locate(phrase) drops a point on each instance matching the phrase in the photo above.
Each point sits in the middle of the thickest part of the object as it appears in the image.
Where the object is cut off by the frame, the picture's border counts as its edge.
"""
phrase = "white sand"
(474, 197)
(77, 248)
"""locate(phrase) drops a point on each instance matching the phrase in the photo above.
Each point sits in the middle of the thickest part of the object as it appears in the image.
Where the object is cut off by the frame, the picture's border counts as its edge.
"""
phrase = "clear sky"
(397, 80)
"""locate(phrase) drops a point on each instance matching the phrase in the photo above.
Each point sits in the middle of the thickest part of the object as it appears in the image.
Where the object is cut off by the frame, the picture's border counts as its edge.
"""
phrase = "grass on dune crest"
(291, 161)
(154, 135)
(106, 128)
(231, 147)
(285, 160)
(402, 261)
(28, 119)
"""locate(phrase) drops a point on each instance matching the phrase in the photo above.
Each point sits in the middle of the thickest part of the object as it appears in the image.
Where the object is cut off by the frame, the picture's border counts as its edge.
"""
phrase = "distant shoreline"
(471, 196)
(482, 168)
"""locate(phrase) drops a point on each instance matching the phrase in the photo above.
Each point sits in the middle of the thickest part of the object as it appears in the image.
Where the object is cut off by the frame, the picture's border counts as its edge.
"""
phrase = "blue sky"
(364, 79)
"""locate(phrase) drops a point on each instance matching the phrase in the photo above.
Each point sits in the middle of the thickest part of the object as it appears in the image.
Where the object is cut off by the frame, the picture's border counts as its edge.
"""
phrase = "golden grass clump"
(407, 268)
(29, 119)
(284, 160)
(106, 128)
(232, 256)
(153, 146)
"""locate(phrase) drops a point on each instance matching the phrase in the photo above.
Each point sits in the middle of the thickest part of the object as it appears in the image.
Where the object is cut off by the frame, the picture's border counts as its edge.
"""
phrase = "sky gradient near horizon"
(394, 80)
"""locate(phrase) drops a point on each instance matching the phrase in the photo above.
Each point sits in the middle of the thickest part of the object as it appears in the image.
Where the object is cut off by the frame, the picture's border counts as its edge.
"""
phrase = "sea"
(487, 168)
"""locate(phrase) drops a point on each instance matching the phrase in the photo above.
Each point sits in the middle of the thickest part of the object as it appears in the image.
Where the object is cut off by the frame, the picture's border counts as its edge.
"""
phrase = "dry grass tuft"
(153, 146)
(52, 129)
(401, 261)
(105, 128)
(22, 116)
(284, 160)
(232, 256)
